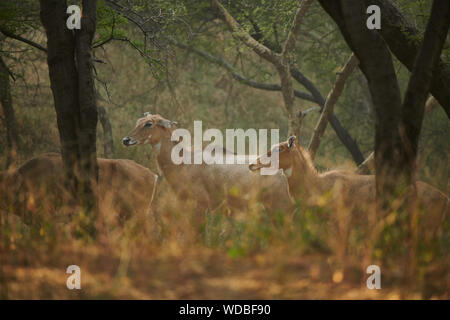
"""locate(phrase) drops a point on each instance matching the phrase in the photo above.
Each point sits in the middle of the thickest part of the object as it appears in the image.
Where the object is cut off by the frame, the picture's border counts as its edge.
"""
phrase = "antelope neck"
(303, 181)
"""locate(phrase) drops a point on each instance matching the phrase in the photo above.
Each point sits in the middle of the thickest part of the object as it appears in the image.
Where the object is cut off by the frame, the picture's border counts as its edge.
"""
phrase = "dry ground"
(246, 258)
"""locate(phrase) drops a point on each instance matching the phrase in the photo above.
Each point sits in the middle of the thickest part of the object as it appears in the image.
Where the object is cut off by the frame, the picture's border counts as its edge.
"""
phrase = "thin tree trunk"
(332, 98)
(368, 166)
(12, 135)
(108, 143)
(342, 134)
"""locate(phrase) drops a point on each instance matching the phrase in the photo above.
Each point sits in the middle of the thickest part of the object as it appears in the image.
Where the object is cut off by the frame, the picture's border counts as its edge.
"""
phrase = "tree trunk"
(12, 135)
(368, 166)
(87, 102)
(108, 143)
(70, 69)
(419, 83)
(63, 80)
(397, 125)
(404, 41)
(376, 64)
(332, 98)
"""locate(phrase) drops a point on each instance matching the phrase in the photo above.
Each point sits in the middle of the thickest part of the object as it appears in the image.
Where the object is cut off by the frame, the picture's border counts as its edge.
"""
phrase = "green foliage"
(110, 24)
(19, 16)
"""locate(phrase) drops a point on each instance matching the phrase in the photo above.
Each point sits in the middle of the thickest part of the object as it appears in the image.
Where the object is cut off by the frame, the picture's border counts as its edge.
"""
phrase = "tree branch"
(278, 60)
(225, 64)
(241, 34)
(420, 81)
(404, 41)
(368, 166)
(22, 39)
(293, 33)
(342, 134)
(332, 98)
(32, 43)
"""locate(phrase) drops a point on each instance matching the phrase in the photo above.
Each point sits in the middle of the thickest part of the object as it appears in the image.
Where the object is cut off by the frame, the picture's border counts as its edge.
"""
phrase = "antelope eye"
(148, 125)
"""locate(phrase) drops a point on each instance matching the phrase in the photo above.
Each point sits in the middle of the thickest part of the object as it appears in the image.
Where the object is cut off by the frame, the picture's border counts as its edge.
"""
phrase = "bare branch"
(32, 43)
(315, 95)
(22, 39)
(236, 75)
(332, 98)
(293, 33)
(242, 35)
(278, 60)
(430, 105)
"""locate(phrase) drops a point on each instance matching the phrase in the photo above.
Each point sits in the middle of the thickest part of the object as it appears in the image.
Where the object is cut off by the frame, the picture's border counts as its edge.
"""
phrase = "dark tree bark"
(63, 80)
(404, 40)
(368, 166)
(426, 64)
(87, 100)
(397, 125)
(376, 64)
(12, 135)
(69, 61)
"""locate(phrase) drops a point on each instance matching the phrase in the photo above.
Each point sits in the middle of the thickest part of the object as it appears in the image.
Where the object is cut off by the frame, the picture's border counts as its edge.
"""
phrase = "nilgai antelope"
(124, 189)
(346, 195)
(209, 185)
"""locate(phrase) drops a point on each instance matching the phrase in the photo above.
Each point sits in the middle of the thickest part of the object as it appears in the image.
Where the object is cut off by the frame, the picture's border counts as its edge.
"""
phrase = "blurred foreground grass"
(251, 255)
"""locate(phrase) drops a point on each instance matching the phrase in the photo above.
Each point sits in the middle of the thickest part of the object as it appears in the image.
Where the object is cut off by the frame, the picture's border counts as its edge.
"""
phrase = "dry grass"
(242, 255)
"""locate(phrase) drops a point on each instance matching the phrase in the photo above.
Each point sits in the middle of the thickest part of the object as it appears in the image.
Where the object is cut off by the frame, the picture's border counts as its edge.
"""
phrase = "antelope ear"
(291, 141)
(166, 123)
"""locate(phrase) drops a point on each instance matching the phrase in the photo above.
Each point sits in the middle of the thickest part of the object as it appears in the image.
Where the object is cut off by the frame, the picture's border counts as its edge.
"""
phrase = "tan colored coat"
(124, 188)
(209, 185)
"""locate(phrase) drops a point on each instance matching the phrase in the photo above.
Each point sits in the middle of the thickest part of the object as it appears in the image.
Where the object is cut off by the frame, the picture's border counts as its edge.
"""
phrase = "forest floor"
(254, 259)
(174, 272)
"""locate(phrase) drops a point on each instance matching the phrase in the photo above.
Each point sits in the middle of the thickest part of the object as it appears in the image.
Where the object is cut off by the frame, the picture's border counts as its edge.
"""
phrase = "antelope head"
(286, 157)
(150, 129)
